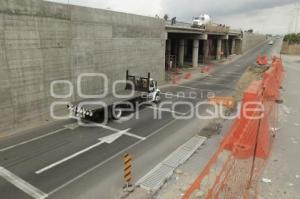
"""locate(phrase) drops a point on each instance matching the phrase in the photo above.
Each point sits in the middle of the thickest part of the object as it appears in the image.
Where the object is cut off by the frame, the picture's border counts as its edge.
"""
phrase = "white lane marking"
(185, 87)
(212, 84)
(72, 126)
(107, 139)
(32, 140)
(68, 158)
(134, 135)
(178, 96)
(107, 127)
(166, 110)
(125, 132)
(21, 184)
(108, 159)
(112, 157)
(193, 88)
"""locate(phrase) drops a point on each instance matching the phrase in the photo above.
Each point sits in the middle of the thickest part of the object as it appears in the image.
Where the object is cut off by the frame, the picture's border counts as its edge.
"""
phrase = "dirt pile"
(253, 72)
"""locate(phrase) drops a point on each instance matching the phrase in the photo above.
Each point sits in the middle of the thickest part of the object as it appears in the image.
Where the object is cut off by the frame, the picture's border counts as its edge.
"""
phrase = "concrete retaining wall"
(41, 42)
(293, 49)
(251, 40)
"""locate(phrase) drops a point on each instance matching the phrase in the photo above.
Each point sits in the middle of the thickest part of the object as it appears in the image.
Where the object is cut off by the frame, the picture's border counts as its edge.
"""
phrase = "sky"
(263, 16)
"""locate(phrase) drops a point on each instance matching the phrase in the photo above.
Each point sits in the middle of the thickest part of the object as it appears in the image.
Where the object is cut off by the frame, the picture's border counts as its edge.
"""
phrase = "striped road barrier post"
(127, 158)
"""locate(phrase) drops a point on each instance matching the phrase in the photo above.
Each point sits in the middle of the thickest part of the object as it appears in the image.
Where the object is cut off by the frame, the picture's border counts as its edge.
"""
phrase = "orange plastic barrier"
(177, 70)
(234, 170)
(228, 102)
(206, 69)
(187, 75)
(262, 60)
(175, 79)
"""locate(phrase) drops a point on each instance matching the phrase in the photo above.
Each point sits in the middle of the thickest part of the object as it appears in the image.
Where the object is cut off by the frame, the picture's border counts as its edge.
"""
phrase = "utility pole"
(297, 10)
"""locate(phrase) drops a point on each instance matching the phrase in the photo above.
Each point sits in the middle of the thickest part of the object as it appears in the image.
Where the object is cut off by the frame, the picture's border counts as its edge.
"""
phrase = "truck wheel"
(117, 114)
(157, 98)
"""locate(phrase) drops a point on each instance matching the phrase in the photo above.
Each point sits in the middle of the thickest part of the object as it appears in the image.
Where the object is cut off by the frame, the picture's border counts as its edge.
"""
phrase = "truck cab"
(154, 92)
(146, 85)
(202, 20)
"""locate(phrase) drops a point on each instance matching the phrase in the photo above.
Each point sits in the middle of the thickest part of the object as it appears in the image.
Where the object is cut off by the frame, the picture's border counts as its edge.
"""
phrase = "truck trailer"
(137, 90)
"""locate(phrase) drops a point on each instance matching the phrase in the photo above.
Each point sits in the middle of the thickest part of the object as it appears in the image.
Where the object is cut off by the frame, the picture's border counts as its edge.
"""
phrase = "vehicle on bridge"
(137, 90)
(201, 21)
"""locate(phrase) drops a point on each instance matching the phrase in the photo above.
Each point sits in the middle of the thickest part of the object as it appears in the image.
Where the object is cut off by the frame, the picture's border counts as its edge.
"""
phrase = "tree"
(292, 38)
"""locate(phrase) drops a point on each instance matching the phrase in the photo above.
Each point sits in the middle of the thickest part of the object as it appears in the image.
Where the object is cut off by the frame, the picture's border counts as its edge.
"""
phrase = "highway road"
(65, 160)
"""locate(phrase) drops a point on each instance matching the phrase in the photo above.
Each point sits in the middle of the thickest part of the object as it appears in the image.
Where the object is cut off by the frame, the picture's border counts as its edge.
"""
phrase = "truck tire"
(117, 114)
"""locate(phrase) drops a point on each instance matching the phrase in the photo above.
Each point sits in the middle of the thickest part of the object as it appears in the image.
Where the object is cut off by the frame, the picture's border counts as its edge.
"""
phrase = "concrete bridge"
(185, 43)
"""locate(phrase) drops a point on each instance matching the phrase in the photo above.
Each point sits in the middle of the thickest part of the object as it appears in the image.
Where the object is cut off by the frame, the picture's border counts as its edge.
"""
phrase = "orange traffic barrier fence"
(187, 75)
(175, 79)
(228, 102)
(262, 60)
(206, 69)
(234, 169)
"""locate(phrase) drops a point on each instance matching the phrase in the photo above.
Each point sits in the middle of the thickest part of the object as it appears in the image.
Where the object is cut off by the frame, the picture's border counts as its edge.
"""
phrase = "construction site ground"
(185, 174)
(281, 176)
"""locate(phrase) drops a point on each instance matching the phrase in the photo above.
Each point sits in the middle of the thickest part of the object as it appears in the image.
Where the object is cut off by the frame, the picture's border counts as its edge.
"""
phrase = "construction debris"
(266, 180)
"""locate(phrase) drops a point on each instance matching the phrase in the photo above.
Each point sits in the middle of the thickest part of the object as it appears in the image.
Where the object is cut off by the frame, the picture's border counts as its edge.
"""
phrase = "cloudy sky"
(264, 16)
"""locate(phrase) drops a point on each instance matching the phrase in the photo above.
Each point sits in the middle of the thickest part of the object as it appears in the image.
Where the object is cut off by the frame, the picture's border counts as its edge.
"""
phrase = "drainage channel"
(154, 180)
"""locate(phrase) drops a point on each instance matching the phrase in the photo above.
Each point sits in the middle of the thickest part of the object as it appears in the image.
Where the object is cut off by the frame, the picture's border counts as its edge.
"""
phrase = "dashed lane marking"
(178, 96)
(32, 140)
(193, 88)
(21, 184)
(166, 110)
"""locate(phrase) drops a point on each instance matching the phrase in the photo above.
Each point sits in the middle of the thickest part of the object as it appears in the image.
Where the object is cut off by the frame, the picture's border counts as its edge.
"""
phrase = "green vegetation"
(292, 38)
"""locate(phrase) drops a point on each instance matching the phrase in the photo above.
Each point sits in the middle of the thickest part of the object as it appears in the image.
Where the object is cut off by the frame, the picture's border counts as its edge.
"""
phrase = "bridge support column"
(233, 46)
(185, 48)
(238, 46)
(219, 49)
(169, 46)
(195, 52)
(205, 50)
(181, 52)
(226, 48)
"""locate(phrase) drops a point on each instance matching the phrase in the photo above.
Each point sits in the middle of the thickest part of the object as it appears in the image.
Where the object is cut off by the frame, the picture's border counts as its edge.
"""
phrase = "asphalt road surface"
(65, 160)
